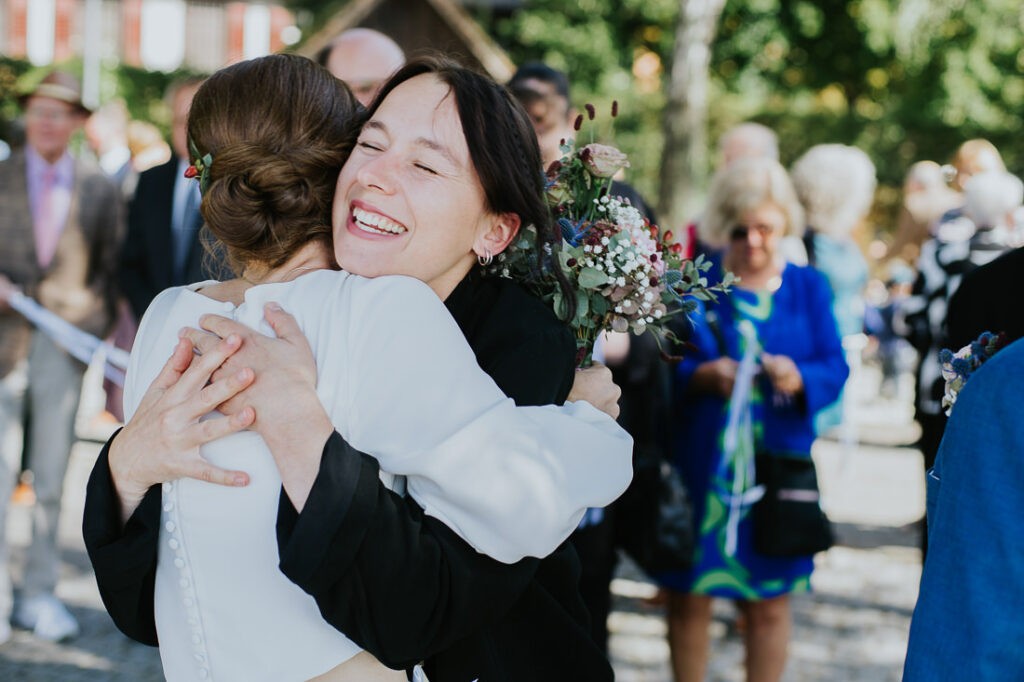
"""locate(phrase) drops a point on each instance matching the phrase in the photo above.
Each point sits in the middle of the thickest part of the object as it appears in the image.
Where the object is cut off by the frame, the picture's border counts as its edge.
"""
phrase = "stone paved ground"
(852, 628)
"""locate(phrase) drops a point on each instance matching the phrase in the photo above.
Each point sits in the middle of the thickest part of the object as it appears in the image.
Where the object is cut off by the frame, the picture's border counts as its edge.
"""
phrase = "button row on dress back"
(185, 580)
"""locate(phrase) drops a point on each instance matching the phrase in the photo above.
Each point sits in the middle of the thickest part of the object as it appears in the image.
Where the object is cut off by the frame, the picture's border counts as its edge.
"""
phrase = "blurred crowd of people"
(95, 235)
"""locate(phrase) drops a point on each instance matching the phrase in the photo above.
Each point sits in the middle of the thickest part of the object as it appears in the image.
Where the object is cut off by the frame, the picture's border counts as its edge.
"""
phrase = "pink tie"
(47, 230)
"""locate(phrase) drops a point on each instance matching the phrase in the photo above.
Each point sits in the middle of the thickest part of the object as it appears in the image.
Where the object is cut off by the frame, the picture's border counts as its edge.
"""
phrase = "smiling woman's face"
(408, 199)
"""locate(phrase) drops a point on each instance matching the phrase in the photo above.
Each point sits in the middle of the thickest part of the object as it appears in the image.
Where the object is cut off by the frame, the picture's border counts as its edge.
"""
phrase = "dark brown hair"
(278, 129)
(503, 148)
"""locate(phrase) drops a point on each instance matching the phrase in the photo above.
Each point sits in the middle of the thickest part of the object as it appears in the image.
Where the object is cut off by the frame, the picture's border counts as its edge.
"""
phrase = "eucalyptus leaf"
(591, 278)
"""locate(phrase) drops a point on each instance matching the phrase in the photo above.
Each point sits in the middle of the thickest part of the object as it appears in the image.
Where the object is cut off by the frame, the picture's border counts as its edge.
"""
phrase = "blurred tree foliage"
(903, 79)
(612, 50)
(142, 90)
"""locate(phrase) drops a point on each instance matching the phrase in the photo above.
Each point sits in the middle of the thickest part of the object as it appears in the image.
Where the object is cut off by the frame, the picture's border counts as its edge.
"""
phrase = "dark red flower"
(590, 111)
(578, 123)
(668, 236)
(191, 172)
(615, 108)
(653, 281)
(676, 248)
(571, 262)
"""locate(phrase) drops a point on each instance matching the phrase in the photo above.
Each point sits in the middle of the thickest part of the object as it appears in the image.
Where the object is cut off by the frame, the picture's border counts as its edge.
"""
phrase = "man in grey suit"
(60, 226)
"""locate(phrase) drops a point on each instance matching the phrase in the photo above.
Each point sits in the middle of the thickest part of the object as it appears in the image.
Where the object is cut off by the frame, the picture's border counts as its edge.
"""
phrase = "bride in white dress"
(394, 373)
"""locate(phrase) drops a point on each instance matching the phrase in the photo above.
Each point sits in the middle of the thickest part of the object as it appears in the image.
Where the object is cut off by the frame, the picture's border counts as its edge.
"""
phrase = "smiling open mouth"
(375, 223)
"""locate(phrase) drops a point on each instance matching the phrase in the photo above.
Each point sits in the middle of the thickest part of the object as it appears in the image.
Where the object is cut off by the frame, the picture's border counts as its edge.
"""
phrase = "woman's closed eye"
(425, 168)
(369, 145)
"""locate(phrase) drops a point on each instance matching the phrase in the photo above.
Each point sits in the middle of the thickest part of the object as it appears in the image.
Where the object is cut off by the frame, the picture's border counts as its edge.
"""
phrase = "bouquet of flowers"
(958, 367)
(626, 275)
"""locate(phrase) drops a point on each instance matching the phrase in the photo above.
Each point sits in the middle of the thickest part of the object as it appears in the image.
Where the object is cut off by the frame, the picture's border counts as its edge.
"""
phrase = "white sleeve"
(512, 481)
(139, 375)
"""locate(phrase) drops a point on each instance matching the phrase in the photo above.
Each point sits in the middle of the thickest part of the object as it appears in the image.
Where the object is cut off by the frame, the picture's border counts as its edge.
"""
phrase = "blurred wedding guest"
(164, 246)
(60, 226)
(926, 198)
(147, 144)
(544, 93)
(972, 157)
(990, 200)
(882, 322)
(836, 185)
(967, 624)
(748, 140)
(362, 59)
(107, 134)
(751, 207)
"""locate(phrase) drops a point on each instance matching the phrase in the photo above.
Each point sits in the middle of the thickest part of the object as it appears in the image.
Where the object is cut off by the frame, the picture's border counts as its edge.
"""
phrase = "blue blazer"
(969, 619)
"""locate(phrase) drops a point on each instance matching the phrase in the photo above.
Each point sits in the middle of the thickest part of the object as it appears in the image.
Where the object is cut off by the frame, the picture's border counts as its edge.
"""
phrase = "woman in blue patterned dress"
(801, 369)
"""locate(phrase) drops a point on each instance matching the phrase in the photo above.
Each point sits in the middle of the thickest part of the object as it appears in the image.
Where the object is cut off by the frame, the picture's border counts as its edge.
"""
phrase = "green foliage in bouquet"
(628, 277)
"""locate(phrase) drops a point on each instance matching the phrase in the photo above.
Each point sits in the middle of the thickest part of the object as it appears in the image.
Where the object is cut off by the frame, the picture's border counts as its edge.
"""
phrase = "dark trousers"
(932, 428)
(596, 548)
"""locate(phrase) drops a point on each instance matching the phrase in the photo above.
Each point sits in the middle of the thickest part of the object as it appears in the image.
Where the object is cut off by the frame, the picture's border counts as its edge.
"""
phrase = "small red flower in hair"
(191, 172)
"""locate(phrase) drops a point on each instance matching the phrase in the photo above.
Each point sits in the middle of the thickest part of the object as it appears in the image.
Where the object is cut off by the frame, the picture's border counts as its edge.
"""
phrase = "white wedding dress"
(401, 383)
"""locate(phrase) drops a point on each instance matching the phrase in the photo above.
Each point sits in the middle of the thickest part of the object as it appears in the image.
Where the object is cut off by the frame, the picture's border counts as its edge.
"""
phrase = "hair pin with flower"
(200, 167)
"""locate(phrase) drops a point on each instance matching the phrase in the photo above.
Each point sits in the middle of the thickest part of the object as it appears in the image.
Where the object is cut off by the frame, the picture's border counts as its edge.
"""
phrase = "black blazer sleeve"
(123, 558)
(401, 584)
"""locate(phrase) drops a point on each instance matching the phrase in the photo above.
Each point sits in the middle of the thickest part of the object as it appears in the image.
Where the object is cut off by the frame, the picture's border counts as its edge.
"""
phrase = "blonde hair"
(975, 156)
(744, 186)
(836, 185)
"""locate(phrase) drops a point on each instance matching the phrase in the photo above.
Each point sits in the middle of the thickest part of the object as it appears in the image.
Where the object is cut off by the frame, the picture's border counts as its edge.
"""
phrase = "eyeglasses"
(741, 232)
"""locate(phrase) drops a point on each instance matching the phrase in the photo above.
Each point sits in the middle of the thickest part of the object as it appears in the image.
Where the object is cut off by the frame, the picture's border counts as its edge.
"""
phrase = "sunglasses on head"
(743, 231)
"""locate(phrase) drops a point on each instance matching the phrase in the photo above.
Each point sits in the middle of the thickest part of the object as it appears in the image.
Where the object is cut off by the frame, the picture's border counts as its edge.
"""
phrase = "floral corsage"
(958, 367)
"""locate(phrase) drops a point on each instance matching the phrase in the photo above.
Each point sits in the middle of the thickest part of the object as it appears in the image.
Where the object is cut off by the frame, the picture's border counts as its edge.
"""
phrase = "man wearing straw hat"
(60, 223)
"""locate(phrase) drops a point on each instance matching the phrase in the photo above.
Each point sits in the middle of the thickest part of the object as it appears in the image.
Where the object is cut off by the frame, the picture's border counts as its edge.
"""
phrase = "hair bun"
(278, 129)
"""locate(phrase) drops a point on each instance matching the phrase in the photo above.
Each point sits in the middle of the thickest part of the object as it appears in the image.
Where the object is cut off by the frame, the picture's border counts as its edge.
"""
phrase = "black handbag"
(654, 519)
(788, 520)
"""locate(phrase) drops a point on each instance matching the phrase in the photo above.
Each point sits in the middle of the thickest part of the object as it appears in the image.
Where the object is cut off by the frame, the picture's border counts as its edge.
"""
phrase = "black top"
(984, 301)
(146, 259)
(399, 583)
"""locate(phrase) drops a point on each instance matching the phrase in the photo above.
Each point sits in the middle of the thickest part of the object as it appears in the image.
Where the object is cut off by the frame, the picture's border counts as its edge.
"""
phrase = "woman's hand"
(594, 385)
(716, 376)
(783, 373)
(284, 366)
(161, 441)
(288, 412)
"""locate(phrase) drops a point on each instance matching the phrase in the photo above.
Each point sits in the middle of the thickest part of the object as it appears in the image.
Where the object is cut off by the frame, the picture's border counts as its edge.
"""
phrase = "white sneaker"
(46, 617)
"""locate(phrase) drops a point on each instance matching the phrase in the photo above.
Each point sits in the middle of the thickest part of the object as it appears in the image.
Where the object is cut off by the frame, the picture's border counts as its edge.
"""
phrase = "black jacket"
(399, 583)
(146, 256)
(986, 301)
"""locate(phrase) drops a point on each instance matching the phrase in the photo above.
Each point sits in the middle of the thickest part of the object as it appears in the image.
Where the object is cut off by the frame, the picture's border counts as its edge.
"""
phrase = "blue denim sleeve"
(967, 623)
